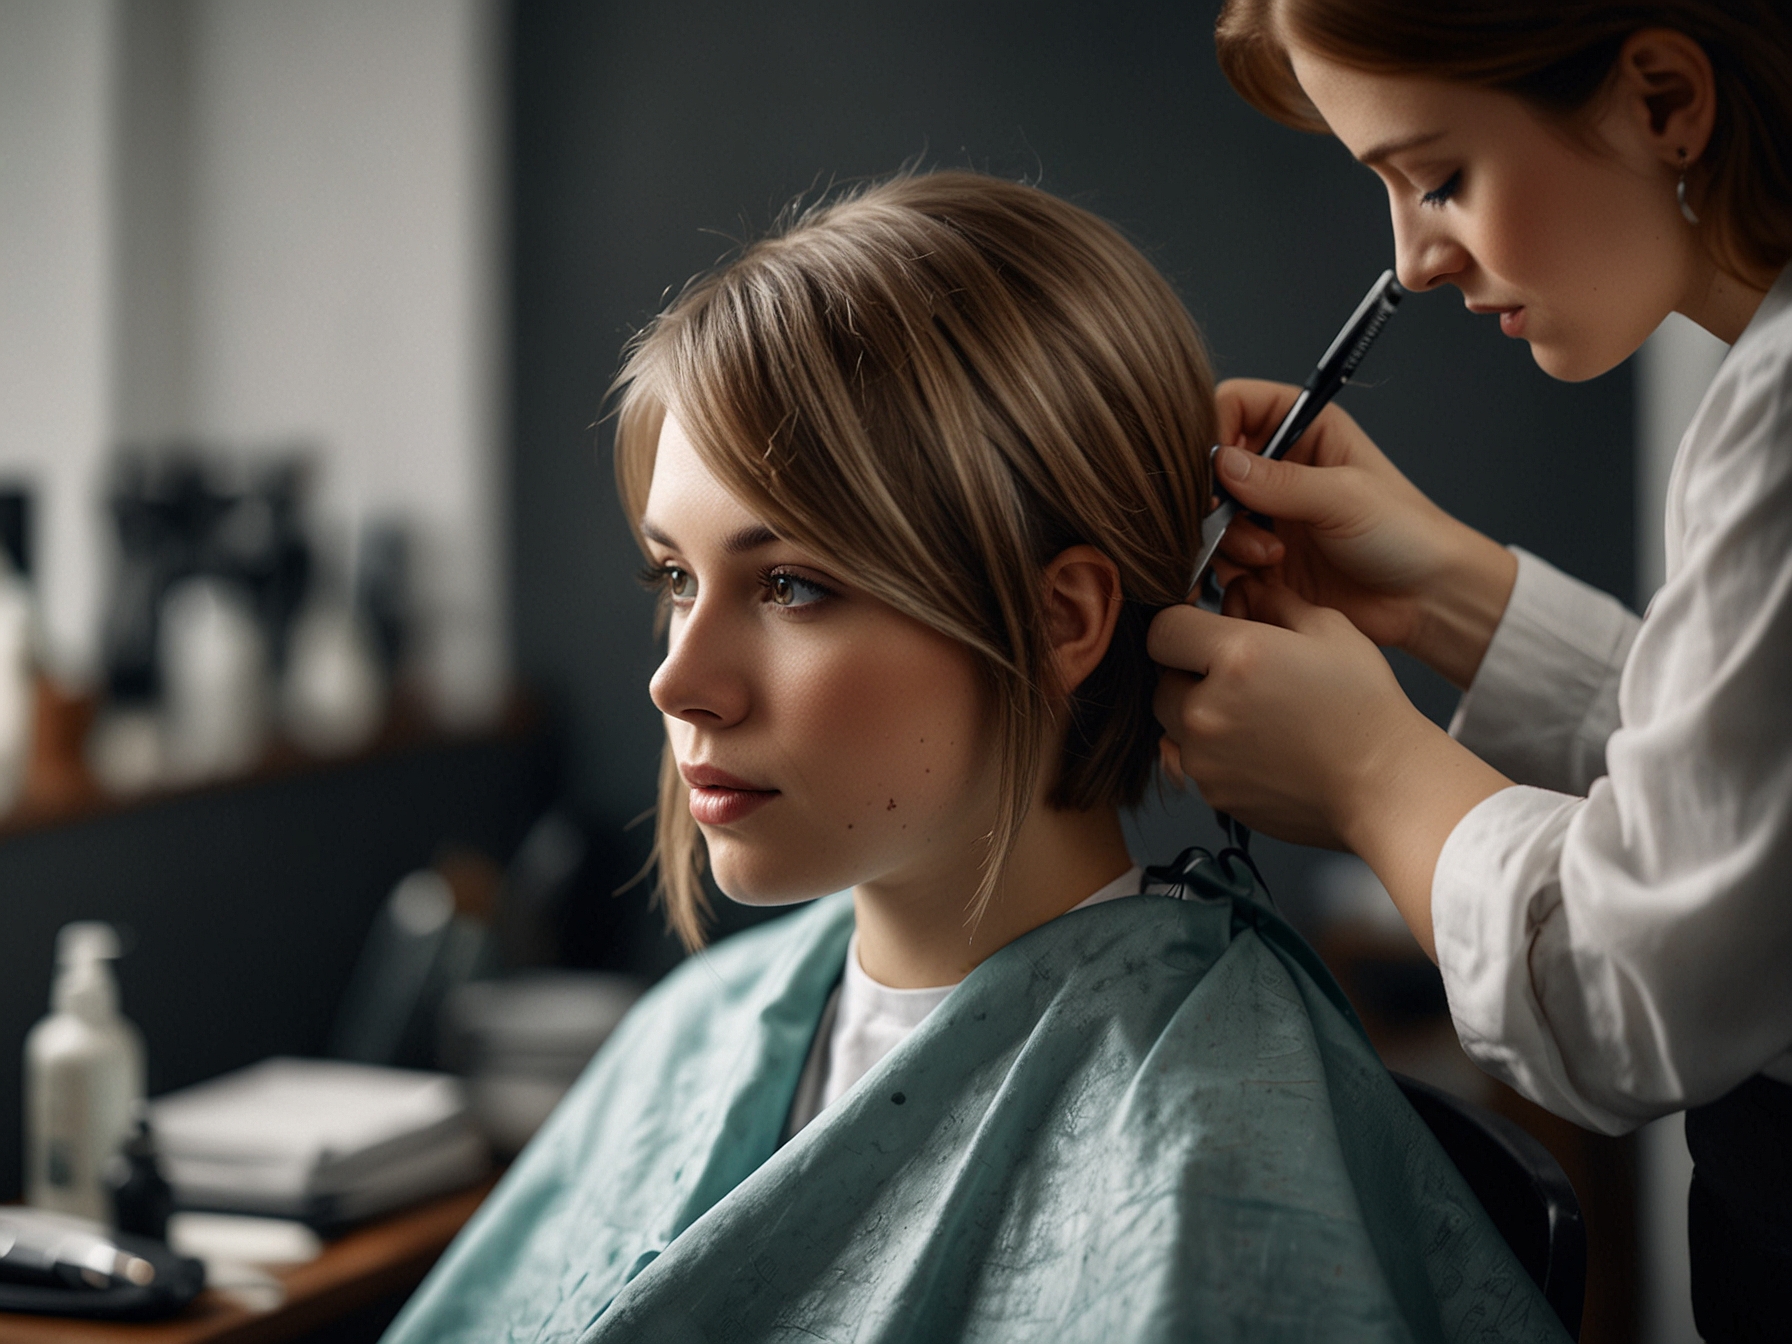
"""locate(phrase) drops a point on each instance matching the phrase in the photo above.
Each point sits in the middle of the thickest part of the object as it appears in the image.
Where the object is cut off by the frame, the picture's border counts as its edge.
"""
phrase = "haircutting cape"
(1153, 1119)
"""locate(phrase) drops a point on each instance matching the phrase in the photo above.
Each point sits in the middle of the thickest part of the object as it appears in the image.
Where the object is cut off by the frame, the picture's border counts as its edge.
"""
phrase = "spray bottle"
(83, 1077)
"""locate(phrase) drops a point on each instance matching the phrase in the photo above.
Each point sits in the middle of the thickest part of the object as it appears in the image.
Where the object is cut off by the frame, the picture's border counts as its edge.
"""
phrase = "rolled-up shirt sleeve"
(1615, 932)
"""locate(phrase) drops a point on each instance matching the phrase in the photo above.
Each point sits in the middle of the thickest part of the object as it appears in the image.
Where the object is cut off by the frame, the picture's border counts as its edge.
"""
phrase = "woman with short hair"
(912, 476)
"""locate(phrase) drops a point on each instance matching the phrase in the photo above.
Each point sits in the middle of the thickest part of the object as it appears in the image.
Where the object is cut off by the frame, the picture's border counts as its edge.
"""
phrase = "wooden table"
(382, 1260)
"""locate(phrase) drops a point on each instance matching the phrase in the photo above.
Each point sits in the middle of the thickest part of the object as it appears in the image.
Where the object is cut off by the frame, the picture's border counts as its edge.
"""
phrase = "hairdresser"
(1599, 855)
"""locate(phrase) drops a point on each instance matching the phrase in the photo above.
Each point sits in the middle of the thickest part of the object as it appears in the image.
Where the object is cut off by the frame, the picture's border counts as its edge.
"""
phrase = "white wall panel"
(260, 223)
(344, 245)
(56, 305)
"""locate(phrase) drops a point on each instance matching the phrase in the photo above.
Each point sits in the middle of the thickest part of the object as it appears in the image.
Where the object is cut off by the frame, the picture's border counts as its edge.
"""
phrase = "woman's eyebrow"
(749, 538)
(1383, 151)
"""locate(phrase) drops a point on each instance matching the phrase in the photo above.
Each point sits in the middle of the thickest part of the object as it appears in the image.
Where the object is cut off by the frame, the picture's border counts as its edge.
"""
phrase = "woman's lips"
(723, 807)
(719, 798)
(1511, 319)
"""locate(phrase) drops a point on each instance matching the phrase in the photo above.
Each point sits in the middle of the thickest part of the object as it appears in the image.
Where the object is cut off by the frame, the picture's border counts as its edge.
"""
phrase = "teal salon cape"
(1152, 1119)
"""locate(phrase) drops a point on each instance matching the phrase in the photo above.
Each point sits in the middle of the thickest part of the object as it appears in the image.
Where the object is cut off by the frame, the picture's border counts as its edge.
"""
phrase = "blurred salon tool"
(66, 1252)
(54, 1264)
(1335, 368)
(433, 933)
(142, 1199)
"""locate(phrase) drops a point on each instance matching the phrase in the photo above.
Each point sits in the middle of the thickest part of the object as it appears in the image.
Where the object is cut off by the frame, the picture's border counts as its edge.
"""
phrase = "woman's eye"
(787, 590)
(1438, 195)
(669, 582)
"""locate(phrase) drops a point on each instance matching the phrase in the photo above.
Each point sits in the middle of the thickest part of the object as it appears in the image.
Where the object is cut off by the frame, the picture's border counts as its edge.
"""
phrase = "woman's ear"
(1664, 77)
(1082, 603)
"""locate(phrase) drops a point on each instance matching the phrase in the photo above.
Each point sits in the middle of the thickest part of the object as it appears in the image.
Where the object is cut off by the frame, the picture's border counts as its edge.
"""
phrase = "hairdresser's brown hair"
(1557, 55)
(936, 383)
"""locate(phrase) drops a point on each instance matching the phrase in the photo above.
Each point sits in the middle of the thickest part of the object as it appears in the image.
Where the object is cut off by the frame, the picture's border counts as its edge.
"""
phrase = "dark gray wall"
(644, 132)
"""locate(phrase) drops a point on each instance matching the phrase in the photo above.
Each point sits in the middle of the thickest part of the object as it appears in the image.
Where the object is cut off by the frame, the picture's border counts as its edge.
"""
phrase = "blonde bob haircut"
(935, 384)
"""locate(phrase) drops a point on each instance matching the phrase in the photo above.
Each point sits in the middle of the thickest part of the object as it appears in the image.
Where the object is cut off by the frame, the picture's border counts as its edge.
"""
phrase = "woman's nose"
(700, 680)
(1426, 254)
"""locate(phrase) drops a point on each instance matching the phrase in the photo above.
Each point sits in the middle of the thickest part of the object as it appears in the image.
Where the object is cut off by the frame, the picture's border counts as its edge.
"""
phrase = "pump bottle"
(83, 1077)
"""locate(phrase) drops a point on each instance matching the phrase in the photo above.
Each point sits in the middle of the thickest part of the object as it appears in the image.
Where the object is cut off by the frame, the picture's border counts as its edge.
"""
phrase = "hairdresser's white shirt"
(865, 1020)
(1616, 934)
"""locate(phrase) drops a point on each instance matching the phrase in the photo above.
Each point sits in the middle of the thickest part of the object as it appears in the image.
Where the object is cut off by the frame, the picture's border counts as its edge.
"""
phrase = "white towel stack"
(323, 1141)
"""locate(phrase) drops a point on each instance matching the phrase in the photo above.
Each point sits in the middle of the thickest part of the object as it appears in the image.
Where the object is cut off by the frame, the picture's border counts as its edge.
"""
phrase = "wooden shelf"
(59, 797)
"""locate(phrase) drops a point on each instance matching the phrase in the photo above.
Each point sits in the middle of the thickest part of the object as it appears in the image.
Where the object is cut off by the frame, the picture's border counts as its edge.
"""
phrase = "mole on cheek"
(892, 806)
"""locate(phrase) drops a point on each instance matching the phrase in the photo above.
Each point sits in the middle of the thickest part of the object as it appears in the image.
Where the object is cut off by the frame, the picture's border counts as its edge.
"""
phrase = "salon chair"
(1523, 1189)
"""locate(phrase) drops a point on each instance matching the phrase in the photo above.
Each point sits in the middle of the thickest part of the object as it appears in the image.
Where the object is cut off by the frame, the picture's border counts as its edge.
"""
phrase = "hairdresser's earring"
(1686, 211)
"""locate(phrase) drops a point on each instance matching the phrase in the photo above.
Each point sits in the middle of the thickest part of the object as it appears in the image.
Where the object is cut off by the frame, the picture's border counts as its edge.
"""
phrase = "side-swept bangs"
(936, 383)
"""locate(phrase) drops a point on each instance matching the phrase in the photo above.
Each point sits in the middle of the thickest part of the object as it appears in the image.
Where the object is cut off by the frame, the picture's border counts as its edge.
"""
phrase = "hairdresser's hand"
(1355, 535)
(1285, 716)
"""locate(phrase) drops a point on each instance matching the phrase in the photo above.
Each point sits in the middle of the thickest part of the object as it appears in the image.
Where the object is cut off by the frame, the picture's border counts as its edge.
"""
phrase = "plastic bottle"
(333, 699)
(213, 658)
(83, 1078)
